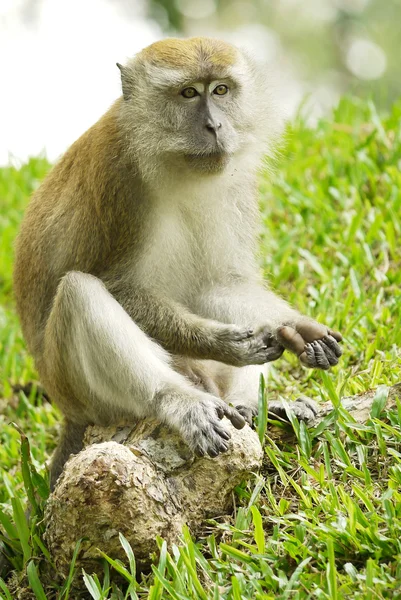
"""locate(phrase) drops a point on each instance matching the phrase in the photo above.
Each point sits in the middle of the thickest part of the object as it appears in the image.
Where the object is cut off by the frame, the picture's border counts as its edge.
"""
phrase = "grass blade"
(34, 581)
(22, 528)
(91, 586)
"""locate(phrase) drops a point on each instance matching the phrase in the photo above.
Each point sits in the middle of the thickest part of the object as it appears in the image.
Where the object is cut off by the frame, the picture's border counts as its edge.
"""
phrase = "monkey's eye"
(220, 90)
(189, 92)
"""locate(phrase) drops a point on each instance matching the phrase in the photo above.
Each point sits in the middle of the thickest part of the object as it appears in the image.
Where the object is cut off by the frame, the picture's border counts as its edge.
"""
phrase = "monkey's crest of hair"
(190, 53)
(158, 127)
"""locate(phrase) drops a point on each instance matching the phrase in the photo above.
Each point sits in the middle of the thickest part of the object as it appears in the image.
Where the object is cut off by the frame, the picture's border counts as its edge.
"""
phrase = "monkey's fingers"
(291, 339)
(332, 344)
(329, 352)
(219, 444)
(318, 355)
(273, 353)
(225, 435)
(322, 361)
(336, 335)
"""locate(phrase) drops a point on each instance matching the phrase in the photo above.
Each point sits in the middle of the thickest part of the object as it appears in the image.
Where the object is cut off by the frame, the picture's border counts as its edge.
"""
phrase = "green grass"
(323, 520)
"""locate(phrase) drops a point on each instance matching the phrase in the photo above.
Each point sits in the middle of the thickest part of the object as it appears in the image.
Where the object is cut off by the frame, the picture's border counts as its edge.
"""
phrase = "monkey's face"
(198, 120)
(193, 102)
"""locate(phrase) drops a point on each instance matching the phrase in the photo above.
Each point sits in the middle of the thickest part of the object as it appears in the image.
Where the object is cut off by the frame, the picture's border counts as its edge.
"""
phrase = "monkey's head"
(196, 102)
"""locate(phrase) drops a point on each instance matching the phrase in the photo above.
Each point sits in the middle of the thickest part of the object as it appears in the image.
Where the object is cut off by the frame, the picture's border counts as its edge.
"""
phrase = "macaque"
(136, 275)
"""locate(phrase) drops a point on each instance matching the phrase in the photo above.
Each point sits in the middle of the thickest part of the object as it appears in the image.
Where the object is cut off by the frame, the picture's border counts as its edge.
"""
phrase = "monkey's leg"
(70, 442)
(101, 367)
(243, 393)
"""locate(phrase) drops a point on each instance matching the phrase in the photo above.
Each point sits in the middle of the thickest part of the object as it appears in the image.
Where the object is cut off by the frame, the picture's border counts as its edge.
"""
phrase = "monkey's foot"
(248, 412)
(316, 345)
(200, 425)
(303, 408)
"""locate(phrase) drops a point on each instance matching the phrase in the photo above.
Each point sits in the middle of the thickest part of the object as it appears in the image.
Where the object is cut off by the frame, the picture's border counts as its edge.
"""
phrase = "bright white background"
(58, 72)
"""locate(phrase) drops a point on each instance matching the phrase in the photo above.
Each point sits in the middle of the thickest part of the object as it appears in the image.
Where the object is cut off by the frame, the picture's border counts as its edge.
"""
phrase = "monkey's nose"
(212, 126)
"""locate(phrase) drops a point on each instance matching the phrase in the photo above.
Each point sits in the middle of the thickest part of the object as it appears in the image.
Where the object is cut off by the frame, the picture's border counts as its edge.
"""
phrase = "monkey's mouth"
(213, 161)
(213, 154)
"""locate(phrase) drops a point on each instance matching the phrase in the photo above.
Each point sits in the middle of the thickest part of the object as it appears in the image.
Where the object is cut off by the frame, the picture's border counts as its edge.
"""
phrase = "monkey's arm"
(181, 332)
(248, 302)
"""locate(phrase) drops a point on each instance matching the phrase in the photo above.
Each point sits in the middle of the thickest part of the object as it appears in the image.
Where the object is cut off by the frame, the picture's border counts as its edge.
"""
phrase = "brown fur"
(189, 53)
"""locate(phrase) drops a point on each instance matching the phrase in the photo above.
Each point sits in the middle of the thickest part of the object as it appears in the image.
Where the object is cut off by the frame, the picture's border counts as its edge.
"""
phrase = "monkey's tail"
(71, 442)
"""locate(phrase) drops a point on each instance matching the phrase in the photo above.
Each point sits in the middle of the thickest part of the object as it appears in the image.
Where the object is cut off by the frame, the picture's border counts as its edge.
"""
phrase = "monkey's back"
(72, 223)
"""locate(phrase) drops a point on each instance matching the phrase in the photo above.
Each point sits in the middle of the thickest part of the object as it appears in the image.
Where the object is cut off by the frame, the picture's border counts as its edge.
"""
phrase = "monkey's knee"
(76, 288)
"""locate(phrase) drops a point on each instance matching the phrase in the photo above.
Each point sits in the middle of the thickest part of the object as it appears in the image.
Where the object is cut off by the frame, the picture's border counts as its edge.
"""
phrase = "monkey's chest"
(179, 257)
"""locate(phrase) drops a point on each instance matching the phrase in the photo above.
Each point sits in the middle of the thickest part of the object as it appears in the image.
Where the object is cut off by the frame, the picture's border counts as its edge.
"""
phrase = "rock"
(142, 481)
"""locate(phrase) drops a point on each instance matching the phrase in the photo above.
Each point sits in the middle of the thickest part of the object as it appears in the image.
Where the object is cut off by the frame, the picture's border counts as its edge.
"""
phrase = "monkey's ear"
(127, 81)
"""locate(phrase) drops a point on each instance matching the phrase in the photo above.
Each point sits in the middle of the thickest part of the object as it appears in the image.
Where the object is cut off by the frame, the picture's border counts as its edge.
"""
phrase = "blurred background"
(57, 57)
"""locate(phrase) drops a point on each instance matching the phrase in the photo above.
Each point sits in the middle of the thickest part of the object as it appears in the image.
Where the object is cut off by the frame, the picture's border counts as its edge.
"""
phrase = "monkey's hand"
(241, 346)
(314, 344)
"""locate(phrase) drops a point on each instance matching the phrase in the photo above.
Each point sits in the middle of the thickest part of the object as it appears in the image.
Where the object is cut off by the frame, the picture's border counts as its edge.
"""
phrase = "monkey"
(136, 273)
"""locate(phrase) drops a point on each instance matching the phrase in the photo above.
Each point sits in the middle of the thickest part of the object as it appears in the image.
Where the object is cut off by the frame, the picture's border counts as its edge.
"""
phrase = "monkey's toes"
(248, 412)
(315, 345)
(308, 403)
(303, 408)
(330, 353)
(232, 415)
